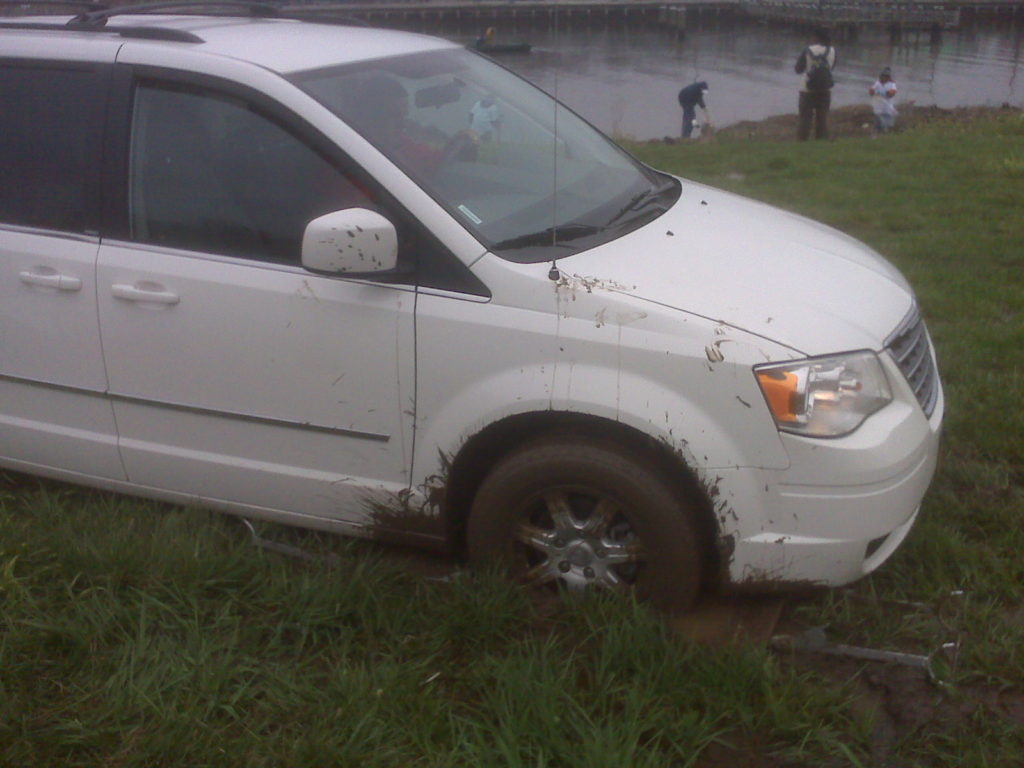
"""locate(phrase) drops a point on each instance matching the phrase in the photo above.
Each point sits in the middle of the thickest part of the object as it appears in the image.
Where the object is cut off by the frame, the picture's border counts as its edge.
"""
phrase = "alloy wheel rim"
(579, 540)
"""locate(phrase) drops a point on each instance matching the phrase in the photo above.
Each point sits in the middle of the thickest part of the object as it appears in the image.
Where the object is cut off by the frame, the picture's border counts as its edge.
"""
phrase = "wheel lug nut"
(588, 572)
(564, 566)
(559, 543)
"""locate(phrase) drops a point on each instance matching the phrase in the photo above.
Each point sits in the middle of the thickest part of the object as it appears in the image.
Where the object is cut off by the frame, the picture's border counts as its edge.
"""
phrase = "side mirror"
(354, 241)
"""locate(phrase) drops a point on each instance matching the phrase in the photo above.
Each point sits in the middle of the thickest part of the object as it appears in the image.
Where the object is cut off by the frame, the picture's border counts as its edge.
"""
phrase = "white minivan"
(371, 282)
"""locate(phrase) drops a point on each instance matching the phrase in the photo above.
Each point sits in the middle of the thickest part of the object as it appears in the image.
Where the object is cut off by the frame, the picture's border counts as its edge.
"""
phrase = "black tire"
(578, 512)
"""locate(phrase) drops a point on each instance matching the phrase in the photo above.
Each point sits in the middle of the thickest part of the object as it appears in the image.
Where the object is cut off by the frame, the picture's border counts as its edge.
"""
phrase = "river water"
(624, 78)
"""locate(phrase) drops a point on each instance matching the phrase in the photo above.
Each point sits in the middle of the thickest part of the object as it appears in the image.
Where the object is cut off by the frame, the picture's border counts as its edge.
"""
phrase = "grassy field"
(133, 634)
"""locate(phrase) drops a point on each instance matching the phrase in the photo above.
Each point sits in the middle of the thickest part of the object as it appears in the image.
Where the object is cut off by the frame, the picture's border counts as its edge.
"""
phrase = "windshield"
(526, 175)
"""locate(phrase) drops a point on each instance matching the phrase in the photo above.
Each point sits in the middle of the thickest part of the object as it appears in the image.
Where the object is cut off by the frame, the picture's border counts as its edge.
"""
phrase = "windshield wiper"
(559, 236)
(643, 199)
(556, 236)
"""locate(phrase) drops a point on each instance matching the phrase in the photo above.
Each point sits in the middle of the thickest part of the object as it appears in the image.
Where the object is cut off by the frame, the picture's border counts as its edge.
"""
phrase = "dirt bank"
(854, 121)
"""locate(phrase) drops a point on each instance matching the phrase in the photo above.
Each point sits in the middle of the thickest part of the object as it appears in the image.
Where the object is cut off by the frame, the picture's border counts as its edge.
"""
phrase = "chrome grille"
(910, 348)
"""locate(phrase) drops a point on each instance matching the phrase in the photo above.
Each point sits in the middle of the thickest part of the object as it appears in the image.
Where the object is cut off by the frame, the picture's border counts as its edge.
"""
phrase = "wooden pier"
(527, 12)
(836, 14)
(843, 14)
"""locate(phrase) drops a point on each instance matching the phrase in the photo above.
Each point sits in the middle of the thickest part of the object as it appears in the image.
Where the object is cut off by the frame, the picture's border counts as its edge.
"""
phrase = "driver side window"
(211, 173)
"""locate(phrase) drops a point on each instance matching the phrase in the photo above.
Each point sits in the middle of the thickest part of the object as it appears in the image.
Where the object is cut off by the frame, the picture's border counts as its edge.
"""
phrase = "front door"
(237, 376)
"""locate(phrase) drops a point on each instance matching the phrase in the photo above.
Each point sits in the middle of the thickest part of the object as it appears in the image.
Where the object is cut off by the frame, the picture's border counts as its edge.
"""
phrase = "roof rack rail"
(318, 13)
(94, 15)
(138, 33)
(255, 9)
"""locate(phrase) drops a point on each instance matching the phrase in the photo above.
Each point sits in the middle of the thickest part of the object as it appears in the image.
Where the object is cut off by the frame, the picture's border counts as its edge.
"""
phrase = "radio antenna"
(553, 273)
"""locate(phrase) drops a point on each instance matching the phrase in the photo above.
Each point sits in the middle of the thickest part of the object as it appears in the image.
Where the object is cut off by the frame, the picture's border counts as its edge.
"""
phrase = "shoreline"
(848, 121)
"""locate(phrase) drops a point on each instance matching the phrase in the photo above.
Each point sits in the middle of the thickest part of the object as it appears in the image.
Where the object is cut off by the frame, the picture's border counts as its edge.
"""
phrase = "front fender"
(693, 391)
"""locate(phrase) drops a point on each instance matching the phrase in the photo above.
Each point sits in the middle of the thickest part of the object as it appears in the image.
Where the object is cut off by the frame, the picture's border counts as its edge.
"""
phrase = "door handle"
(50, 278)
(144, 292)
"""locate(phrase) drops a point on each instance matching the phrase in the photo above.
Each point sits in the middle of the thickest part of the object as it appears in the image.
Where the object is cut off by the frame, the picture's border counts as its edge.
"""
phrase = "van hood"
(752, 266)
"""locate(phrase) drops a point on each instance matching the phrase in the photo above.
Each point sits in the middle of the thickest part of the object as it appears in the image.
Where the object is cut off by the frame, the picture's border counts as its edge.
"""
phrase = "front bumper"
(841, 508)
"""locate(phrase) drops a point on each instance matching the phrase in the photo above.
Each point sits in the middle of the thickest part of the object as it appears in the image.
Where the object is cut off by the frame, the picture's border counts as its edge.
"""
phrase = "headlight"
(824, 396)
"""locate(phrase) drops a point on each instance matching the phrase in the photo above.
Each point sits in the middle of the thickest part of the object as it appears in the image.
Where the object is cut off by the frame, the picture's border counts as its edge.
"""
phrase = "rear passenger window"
(50, 145)
(211, 173)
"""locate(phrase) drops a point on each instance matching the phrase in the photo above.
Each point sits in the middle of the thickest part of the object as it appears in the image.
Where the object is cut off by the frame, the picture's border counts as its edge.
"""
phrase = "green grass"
(134, 634)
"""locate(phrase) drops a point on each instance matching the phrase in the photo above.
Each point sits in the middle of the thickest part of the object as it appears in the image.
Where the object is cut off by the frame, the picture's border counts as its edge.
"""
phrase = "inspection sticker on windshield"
(470, 215)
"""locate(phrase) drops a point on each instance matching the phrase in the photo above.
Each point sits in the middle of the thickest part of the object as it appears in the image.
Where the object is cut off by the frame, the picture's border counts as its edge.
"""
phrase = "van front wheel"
(579, 513)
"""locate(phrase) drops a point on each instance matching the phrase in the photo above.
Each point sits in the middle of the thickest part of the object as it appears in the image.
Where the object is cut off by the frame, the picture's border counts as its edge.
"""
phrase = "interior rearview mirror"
(438, 95)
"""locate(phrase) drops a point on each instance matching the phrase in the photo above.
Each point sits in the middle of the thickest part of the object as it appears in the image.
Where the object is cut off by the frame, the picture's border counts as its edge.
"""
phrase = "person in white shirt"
(883, 101)
(485, 119)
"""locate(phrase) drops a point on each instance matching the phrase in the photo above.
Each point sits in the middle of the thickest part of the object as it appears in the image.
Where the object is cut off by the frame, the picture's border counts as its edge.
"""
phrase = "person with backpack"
(816, 63)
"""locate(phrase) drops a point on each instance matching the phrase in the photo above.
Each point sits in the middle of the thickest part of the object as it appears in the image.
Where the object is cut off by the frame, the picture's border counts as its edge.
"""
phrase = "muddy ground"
(849, 121)
(901, 702)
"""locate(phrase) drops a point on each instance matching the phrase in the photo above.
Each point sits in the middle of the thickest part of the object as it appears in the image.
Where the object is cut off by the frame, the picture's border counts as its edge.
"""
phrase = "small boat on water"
(486, 43)
(502, 47)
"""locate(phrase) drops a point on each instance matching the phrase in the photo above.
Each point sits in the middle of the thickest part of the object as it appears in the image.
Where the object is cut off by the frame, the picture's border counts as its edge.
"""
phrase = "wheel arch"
(479, 454)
